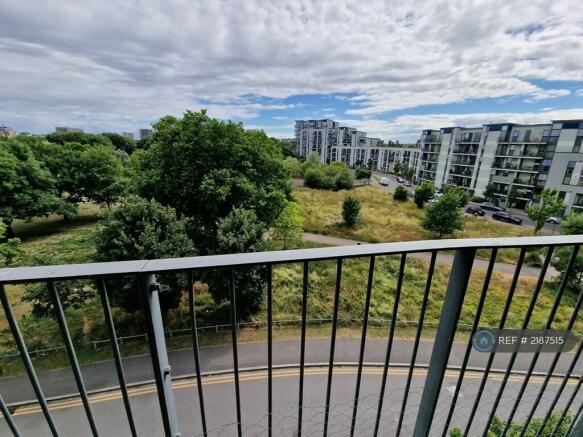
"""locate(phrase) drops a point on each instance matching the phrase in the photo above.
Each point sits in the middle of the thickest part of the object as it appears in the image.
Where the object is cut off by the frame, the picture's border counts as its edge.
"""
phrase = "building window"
(568, 173)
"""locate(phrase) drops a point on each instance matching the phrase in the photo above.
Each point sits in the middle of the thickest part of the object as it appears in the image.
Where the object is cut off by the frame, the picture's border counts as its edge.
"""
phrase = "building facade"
(145, 133)
(333, 142)
(128, 135)
(517, 161)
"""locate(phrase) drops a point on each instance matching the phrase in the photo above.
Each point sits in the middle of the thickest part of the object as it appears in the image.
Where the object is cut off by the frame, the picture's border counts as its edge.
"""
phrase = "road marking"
(262, 375)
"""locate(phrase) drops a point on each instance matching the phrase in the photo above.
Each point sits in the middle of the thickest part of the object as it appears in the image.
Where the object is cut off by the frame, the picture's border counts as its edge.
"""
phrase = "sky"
(390, 68)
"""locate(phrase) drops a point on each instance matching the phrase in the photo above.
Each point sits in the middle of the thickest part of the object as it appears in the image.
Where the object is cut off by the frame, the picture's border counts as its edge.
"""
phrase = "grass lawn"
(383, 220)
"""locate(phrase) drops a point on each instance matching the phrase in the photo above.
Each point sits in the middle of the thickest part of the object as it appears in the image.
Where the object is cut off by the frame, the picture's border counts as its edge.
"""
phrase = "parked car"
(384, 181)
(407, 183)
(475, 210)
(491, 207)
(554, 220)
(438, 194)
(411, 193)
(506, 217)
(400, 179)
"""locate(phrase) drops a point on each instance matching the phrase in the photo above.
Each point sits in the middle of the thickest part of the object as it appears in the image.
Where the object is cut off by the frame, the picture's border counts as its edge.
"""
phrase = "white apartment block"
(333, 142)
(7, 132)
(524, 159)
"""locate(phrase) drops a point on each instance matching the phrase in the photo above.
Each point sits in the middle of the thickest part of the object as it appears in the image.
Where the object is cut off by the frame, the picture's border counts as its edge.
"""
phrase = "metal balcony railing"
(457, 286)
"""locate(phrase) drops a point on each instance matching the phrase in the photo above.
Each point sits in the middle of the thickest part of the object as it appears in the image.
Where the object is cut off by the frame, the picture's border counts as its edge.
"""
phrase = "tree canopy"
(548, 206)
(443, 217)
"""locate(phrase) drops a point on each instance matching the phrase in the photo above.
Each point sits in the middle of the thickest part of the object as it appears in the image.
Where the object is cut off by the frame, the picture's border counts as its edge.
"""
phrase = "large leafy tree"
(142, 229)
(100, 175)
(120, 142)
(548, 206)
(78, 137)
(204, 168)
(27, 188)
(443, 217)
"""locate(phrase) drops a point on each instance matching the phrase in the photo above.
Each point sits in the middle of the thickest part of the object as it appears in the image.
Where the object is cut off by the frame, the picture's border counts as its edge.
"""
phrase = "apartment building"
(68, 129)
(333, 142)
(7, 132)
(145, 133)
(128, 135)
(516, 160)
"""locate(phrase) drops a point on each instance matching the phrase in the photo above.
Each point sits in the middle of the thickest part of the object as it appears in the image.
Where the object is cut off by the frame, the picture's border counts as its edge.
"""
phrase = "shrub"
(363, 173)
(293, 166)
(351, 211)
(314, 178)
(400, 194)
(443, 217)
(344, 180)
(423, 193)
(478, 199)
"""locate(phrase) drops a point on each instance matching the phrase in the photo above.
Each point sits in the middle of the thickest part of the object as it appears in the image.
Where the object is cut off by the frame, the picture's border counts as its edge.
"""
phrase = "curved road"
(219, 394)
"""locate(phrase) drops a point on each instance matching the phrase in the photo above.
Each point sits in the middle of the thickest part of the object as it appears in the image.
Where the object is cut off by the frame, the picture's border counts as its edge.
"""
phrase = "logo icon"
(484, 341)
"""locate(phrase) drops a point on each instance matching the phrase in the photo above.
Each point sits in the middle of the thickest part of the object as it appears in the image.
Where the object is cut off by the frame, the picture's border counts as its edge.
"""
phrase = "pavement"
(219, 395)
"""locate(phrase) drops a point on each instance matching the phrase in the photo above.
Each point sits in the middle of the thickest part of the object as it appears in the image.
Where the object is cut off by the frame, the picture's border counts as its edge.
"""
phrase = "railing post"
(160, 362)
(454, 298)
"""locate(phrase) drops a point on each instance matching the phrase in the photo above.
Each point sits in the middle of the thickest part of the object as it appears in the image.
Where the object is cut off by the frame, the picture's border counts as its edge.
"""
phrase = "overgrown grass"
(383, 220)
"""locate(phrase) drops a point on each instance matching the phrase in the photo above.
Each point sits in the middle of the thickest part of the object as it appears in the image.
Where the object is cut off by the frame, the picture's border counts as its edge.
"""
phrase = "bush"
(314, 178)
(293, 166)
(478, 199)
(344, 180)
(443, 217)
(400, 194)
(534, 257)
(423, 193)
(351, 211)
(363, 173)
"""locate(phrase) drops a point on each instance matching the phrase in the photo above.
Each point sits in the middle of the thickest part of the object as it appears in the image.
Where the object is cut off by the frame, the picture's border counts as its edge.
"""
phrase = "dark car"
(476, 210)
(490, 207)
(505, 217)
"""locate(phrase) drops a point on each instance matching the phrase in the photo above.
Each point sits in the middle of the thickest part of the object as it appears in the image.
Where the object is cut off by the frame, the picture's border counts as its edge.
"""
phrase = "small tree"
(443, 217)
(572, 225)
(344, 180)
(512, 196)
(408, 173)
(489, 191)
(9, 248)
(400, 194)
(423, 193)
(314, 178)
(142, 229)
(459, 193)
(363, 173)
(293, 166)
(397, 167)
(288, 226)
(548, 206)
(351, 211)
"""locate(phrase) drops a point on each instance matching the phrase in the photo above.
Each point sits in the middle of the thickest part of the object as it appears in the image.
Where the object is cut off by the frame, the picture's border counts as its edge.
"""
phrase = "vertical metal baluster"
(450, 312)
(578, 422)
(513, 356)
(469, 345)
(390, 343)
(568, 405)
(561, 388)
(303, 347)
(500, 326)
(195, 350)
(8, 418)
(27, 361)
(71, 353)
(157, 343)
(362, 343)
(269, 351)
(116, 353)
(548, 325)
(417, 339)
(332, 343)
(235, 351)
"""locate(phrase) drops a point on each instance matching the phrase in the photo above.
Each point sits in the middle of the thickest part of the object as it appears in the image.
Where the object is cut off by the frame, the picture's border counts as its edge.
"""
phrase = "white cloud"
(92, 63)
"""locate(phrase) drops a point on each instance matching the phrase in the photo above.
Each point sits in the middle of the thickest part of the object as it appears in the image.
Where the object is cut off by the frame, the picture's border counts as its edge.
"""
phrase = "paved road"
(442, 258)
(219, 395)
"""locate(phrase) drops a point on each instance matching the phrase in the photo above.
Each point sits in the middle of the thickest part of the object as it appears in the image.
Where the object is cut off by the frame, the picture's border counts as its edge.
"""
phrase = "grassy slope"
(385, 220)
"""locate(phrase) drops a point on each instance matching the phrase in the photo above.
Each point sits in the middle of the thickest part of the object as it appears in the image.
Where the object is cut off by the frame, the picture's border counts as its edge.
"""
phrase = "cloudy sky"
(388, 67)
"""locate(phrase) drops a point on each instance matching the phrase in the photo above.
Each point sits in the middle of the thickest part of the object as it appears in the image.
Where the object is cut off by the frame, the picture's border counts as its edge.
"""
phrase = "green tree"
(120, 142)
(548, 206)
(10, 248)
(79, 137)
(443, 217)
(423, 193)
(312, 161)
(100, 175)
(351, 210)
(142, 229)
(204, 168)
(409, 173)
(512, 196)
(344, 180)
(314, 178)
(27, 188)
(240, 232)
(489, 191)
(400, 193)
(572, 225)
(286, 145)
(460, 194)
(363, 173)
(288, 227)
(293, 166)
(397, 167)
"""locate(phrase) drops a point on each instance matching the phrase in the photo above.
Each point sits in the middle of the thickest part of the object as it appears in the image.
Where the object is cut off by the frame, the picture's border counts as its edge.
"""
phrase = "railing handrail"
(93, 270)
